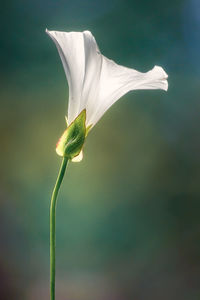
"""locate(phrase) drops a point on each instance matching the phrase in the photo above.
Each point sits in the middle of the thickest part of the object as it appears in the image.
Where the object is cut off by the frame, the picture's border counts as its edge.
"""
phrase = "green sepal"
(72, 140)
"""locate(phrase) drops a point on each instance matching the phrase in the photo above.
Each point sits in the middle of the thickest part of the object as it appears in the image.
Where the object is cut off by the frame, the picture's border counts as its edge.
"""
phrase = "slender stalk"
(53, 227)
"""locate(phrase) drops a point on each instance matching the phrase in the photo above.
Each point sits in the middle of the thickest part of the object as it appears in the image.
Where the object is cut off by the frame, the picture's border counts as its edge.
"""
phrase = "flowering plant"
(95, 83)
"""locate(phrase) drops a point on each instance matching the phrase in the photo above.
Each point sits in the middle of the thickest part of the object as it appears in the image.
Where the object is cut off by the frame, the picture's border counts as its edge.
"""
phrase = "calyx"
(71, 142)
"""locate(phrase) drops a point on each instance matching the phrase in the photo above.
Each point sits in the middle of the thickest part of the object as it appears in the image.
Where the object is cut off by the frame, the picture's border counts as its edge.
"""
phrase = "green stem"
(53, 227)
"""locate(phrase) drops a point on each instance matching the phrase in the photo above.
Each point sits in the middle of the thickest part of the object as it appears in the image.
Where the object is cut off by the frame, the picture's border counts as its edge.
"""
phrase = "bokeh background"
(128, 224)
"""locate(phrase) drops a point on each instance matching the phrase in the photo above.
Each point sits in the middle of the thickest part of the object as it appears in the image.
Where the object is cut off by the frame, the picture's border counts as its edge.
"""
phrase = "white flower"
(96, 82)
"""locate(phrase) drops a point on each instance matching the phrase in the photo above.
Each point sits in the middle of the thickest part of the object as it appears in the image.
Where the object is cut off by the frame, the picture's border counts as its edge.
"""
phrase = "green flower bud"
(73, 138)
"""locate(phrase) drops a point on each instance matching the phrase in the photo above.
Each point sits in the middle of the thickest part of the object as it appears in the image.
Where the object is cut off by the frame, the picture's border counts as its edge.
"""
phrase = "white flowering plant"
(95, 84)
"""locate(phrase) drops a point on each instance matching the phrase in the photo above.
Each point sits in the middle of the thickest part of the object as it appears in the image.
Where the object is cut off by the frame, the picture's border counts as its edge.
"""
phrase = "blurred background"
(128, 215)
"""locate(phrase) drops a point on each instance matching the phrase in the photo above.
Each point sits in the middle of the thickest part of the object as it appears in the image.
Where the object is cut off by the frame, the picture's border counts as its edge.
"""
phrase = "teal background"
(128, 215)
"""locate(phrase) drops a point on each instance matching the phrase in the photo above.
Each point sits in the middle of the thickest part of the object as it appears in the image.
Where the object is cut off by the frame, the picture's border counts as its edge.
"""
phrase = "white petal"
(93, 64)
(78, 158)
(82, 64)
(96, 82)
(70, 46)
(117, 80)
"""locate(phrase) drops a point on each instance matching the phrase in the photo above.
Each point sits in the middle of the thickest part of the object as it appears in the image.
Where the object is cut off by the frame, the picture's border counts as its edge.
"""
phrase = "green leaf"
(72, 140)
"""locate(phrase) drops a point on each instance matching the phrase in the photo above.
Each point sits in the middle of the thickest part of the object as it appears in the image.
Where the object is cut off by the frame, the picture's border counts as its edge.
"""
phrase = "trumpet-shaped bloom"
(96, 82)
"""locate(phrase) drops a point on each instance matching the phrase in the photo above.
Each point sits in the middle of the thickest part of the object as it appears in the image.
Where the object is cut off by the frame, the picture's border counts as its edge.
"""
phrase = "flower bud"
(73, 138)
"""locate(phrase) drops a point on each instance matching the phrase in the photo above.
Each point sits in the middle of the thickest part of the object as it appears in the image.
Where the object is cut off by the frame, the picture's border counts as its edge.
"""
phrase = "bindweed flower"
(95, 83)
